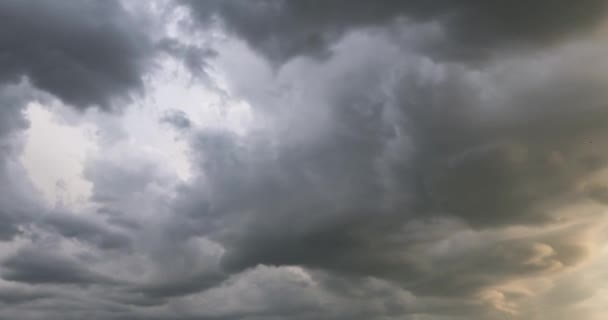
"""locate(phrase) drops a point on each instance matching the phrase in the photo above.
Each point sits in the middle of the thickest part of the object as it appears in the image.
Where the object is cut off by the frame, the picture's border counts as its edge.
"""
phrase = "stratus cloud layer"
(345, 160)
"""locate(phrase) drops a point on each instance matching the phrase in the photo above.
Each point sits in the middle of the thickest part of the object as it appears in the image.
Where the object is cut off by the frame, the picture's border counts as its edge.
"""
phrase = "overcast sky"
(303, 160)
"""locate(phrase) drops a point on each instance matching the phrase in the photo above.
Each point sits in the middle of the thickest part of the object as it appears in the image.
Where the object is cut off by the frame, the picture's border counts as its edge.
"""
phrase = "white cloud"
(54, 156)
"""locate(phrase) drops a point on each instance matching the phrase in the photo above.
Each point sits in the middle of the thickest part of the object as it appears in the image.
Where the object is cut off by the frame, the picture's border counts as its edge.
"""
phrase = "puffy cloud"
(85, 53)
(391, 179)
(395, 156)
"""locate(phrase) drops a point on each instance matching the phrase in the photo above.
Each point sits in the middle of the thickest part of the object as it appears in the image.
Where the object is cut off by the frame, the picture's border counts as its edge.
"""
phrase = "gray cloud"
(376, 183)
(86, 53)
(37, 267)
(19, 200)
(12, 296)
(194, 57)
(395, 165)
(184, 286)
(177, 119)
(83, 229)
(283, 29)
(112, 181)
(519, 163)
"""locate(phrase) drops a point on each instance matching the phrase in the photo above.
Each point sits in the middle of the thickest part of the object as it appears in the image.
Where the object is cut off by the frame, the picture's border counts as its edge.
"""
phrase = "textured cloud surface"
(283, 28)
(280, 159)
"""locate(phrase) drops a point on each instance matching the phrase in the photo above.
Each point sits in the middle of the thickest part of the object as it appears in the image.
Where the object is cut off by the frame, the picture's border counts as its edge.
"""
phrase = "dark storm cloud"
(282, 29)
(86, 53)
(401, 164)
(520, 160)
(35, 266)
(379, 183)
(499, 261)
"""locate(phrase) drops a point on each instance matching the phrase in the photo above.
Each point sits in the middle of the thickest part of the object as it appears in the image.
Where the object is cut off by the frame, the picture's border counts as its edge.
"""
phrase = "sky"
(303, 160)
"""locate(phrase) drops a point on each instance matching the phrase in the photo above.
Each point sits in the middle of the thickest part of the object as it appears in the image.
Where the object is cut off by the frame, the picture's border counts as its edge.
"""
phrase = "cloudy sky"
(303, 160)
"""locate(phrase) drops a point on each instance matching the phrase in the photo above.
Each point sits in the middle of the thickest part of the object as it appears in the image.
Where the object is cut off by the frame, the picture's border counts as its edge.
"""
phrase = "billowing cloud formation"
(282, 29)
(390, 179)
(85, 53)
(381, 177)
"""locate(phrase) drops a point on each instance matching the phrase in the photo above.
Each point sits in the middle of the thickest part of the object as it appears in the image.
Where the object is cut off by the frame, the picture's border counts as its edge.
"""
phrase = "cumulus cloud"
(85, 53)
(402, 160)
(405, 155)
